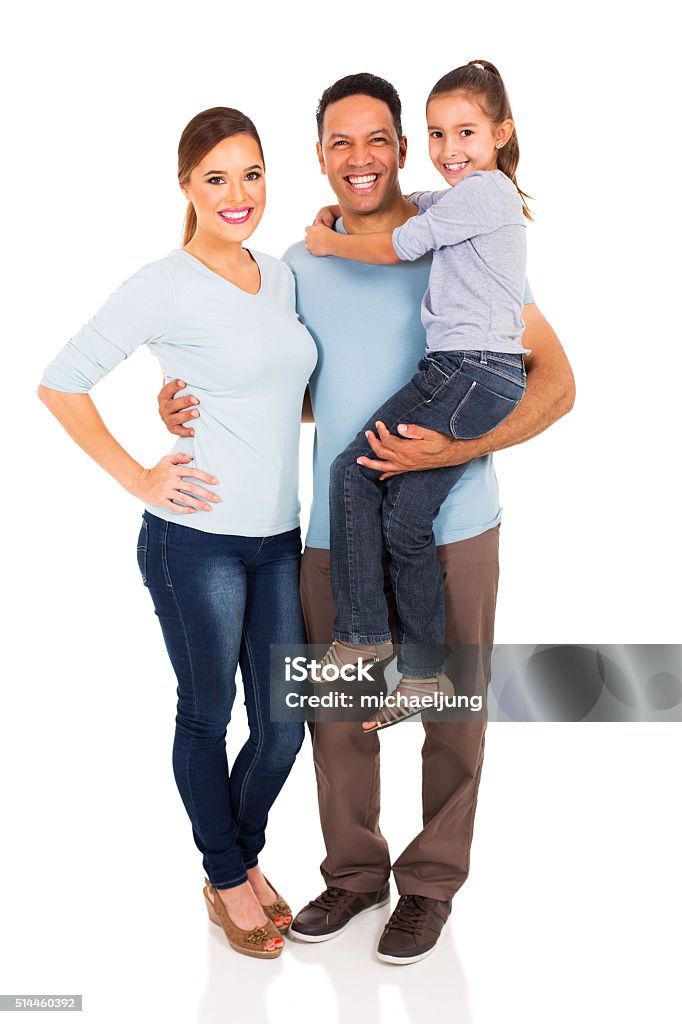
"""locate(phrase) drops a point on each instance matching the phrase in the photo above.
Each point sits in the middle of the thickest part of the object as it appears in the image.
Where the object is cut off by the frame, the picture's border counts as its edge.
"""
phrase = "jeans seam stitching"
(497, 373)
(164, 556)
(394, 558)
(459, 408)
(350, 541)
(194, 697)
(249, 772)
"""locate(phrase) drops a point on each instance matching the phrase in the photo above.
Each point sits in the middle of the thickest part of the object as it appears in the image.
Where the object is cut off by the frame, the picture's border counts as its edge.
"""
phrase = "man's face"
(361, 153)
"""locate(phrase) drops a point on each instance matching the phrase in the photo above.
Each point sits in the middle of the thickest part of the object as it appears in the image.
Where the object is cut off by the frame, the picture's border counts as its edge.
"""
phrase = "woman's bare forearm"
(79, 417)
(164, 484)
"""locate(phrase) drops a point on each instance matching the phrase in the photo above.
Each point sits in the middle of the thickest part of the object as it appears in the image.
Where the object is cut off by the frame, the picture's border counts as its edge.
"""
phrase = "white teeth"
(362, 180)
(234, 216)
(456, 167)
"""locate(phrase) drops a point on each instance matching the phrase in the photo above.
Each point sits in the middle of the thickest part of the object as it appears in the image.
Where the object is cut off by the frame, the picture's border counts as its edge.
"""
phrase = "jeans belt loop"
(484, 358)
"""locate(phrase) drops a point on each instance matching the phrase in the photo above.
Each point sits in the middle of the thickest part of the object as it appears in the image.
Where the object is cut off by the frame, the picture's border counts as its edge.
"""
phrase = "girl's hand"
(328, 216)
(320, 240)
(162, 483)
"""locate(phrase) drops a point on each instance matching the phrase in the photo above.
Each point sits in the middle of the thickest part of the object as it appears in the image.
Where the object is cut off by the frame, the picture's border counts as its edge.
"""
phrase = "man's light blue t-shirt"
(366, 323)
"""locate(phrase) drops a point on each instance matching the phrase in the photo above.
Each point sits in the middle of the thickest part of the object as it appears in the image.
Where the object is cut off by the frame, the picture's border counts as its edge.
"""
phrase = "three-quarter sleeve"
(138, 313)
(475, 206)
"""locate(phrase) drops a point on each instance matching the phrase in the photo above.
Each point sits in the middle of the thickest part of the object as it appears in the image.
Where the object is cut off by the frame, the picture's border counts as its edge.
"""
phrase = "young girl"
(470, 379)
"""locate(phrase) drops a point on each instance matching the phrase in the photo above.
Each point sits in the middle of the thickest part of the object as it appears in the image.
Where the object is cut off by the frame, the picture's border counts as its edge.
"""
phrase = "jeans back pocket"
(485, 405)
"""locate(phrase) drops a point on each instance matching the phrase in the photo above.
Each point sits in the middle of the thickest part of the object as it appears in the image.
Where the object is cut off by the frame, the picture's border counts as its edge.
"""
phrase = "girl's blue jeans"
(463, 394)
(222, 601)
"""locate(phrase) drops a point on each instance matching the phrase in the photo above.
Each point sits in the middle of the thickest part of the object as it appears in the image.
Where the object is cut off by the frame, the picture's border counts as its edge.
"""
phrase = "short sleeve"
(527, 293)
(138, 313)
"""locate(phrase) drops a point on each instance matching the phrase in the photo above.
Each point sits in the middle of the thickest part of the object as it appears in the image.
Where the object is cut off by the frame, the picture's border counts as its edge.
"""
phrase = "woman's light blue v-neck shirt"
(246, 357)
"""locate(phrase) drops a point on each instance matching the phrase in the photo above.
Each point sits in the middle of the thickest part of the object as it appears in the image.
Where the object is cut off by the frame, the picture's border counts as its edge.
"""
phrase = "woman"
(219, 547)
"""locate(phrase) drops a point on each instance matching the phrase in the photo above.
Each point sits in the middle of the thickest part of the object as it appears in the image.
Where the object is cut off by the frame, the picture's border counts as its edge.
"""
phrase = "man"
(369, 316)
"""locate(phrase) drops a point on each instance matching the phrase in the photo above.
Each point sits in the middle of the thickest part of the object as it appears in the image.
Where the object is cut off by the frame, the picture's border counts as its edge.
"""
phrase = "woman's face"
(227, 190)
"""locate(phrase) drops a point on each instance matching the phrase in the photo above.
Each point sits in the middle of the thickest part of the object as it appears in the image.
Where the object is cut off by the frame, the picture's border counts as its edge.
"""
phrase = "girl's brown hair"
(202, 133)
(482, 78)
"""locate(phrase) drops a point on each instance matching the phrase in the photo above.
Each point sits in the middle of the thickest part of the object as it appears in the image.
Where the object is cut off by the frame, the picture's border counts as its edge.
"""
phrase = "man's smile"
(362, 182)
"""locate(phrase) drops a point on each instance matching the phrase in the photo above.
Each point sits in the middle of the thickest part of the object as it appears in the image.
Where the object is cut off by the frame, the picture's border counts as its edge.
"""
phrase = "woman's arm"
(372, 248)
(157, 486)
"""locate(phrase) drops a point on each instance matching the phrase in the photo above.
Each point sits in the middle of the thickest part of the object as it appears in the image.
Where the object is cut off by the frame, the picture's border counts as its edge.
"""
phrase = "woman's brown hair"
(202, 133)
(482, 79)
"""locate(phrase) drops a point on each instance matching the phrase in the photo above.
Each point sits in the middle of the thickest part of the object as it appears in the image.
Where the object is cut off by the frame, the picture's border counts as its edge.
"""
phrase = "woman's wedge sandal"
(411, 696)
(278, 911)
(249, 941)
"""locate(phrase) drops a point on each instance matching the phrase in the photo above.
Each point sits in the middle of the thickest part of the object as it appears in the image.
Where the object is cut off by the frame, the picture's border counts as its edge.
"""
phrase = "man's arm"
(175, 412)
(550, 393)
(307, 414)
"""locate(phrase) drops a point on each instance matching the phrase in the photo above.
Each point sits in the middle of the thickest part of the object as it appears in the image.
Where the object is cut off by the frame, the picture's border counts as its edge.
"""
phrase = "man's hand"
(417, 448)
(328, 216)
(550, 393)
(176, 411)
(320, 240)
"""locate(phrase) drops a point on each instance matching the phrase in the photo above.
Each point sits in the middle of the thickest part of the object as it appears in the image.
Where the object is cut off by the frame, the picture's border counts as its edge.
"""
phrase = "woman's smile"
(237, 215)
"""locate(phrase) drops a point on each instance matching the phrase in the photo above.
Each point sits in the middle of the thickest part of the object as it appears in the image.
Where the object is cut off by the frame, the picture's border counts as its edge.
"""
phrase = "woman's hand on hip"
(164, 485)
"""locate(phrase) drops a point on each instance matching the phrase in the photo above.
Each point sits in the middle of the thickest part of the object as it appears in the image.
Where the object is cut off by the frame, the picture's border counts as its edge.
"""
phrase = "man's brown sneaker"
(413, 929)
(333, 910)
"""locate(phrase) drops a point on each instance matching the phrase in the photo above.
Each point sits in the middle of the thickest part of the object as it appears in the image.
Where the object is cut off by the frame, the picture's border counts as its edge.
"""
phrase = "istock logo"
(297, 670)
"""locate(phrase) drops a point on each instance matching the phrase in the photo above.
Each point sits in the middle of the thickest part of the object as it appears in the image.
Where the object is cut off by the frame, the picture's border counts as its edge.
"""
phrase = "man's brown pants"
(436, 862)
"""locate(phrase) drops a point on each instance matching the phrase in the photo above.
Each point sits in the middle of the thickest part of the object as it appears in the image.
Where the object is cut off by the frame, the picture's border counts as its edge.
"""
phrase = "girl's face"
(227, 190)
(461, 137)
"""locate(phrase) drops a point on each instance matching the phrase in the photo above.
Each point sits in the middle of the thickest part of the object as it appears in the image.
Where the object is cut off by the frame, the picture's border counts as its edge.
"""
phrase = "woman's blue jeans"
(463, 394)
(222, 601)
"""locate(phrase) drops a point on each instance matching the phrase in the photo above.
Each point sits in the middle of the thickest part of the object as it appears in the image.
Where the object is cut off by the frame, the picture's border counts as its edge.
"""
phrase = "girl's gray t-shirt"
(476, 231)
(246, 357)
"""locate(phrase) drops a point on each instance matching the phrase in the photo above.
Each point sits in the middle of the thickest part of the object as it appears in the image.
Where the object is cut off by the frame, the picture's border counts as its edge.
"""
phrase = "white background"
(571, 909)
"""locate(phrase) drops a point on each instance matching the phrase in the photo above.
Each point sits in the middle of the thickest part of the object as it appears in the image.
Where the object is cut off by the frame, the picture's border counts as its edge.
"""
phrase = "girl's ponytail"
(482, 78)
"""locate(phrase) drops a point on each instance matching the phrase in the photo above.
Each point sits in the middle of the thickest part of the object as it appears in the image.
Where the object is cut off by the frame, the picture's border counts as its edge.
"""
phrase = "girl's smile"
(462, 139)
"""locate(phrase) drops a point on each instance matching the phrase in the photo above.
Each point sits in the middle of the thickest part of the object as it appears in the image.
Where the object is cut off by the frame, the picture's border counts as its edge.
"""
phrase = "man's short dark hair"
(363, 84)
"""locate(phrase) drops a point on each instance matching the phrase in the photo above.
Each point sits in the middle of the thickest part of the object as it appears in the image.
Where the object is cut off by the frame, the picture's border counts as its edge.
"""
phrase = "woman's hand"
(164, 482)
(328, 216)
(320, 240)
